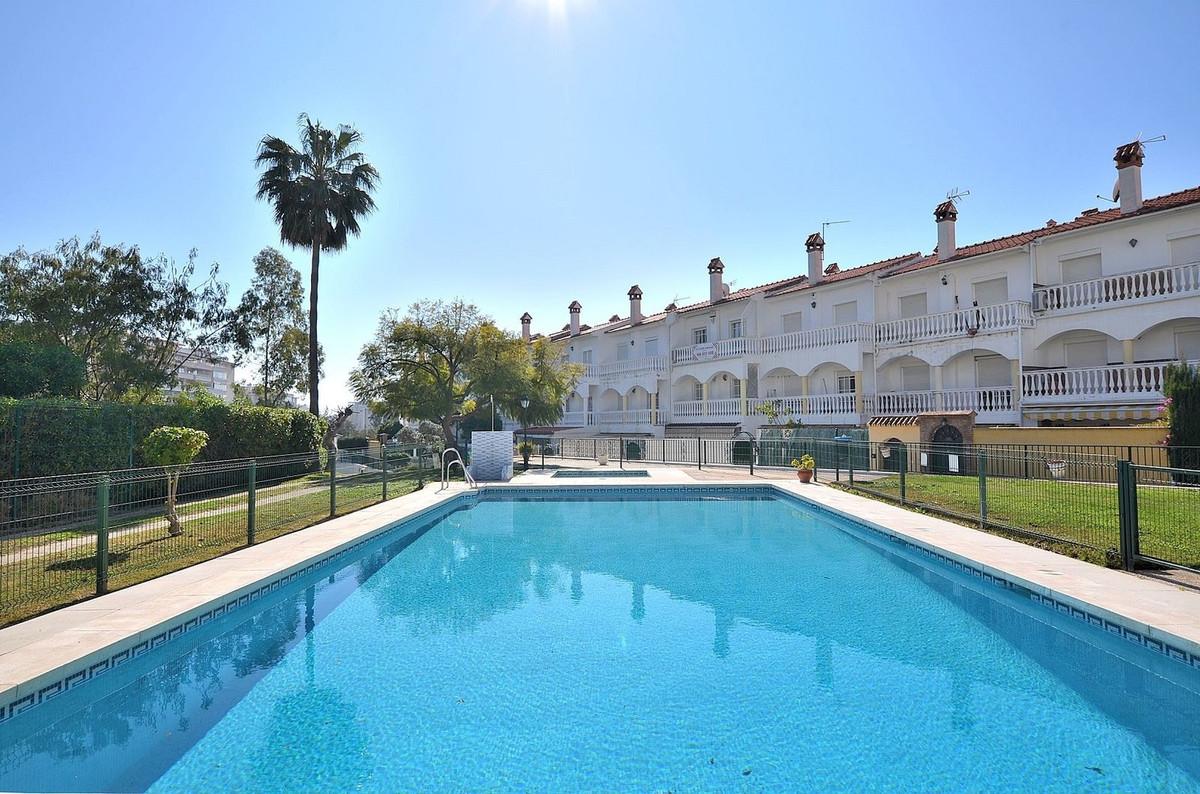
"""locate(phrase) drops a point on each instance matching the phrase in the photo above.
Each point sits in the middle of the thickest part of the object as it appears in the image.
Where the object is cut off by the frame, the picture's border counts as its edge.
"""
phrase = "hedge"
(58, 436)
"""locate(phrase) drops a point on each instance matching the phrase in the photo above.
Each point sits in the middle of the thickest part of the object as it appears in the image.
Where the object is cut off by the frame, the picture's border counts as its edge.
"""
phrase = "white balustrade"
(636, 416)
(812, 405)
(707, 351)
(576, 419)
(817, 337)
(982, 399)
(615, 370)
(1118, 288)
(1143, 382)
(993, 318)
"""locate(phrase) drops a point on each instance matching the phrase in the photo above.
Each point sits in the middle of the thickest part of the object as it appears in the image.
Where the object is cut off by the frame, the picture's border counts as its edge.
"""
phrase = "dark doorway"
(947, 440)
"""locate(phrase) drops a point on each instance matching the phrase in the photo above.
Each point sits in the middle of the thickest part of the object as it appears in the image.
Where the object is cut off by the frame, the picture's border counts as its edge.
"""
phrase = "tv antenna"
(954, 195)
(826, 224)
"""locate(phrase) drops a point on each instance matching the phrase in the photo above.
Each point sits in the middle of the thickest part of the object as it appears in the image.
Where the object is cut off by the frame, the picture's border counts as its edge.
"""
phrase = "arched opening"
(947, 442)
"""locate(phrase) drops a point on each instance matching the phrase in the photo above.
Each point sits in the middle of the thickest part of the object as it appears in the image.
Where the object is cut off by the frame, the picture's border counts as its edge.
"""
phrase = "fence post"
(850, 462)
(383, 461)
(102, 491)
(1127, 513)
(981, 465)
(621, 452)
(251, 499)
(903, 472)
(332, 483)
(699, 448)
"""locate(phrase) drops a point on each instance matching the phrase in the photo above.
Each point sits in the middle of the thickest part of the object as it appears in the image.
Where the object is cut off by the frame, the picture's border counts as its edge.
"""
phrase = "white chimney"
(575, 308)
(635, 304)
(945, 214)
(815, 245)
(526, 319)
(1129, 176)
(716, 287)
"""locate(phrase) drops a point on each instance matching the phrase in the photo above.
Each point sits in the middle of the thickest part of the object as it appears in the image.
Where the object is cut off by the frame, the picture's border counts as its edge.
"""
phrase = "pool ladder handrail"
(447, 466)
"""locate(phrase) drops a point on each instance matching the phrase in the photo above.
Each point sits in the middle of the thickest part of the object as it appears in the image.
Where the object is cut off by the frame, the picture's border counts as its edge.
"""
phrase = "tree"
(28, 370)
(1181, 387)
(273, 313)
(173, 448)
(133, 321)
(441, 360)
(319, 191)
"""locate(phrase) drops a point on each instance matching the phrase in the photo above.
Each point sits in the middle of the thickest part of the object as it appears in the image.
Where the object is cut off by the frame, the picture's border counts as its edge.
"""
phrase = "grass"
(59, 568)
(1076, 513)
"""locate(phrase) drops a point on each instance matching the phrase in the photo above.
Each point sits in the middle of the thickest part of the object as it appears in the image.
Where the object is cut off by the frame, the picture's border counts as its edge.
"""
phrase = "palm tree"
(320, 191)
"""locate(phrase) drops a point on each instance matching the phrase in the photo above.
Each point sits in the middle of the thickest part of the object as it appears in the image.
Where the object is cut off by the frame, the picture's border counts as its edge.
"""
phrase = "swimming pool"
(632, 638)
(567, 474)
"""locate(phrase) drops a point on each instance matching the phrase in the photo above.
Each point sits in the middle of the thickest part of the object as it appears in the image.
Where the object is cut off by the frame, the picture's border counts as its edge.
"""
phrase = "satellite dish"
(1116, 189)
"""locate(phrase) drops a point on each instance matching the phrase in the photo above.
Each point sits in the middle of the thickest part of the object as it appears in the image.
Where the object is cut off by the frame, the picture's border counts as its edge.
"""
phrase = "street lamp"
(525, 434)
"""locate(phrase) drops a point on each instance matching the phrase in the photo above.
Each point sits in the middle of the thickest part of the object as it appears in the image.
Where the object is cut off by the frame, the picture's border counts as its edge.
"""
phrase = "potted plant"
(804, 467)
(1057, 468)
(526, 449)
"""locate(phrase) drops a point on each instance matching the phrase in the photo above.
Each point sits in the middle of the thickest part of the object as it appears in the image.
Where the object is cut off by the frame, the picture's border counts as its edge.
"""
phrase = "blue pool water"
(558, 644)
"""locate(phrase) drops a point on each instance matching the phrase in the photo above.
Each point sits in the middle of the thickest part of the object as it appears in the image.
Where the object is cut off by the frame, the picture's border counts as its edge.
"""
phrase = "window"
(992, 371)
(992, 291)
(735, 389)
(698, 391)
(1080, 268)
(586, 357)
(914, 305)
(844, 313)
(735, 329)
(1092, 353)
(791, 322)
(219, 375)
(1185, 250)
(699, 336)
(1187, 345)
(623, 350)
(915, 378)
(652, 346)
(845, 384)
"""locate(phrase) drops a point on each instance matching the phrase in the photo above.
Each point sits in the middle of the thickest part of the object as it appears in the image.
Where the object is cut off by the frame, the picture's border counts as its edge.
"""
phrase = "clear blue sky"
(538, 151)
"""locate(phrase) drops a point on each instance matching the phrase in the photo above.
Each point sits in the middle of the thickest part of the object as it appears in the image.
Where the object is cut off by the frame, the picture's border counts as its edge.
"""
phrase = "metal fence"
(66, 538)
(1070, 496)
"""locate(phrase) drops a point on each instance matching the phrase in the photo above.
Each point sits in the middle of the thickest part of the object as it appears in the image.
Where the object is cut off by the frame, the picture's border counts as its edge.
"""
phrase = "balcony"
(1123, 288)
(710, 351)
(816, 338)
(627, 419)
(991, 403)
(616, 370)
(575, 419)
(995, 318)
(1113, 384)
(814, 409)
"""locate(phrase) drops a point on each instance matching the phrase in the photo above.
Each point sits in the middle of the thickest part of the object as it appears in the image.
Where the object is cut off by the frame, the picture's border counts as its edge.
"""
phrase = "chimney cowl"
(526, 318)
(715, 265)
(945, 214)
(575, 307)
(1128, 154)
(815, 242)
(635, 292)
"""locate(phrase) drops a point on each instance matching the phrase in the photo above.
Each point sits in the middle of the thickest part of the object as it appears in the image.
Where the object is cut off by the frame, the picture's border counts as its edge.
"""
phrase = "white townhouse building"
(1071, 322)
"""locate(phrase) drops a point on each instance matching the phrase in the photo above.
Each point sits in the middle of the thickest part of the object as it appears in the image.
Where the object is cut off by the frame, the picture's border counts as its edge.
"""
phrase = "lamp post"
(524, 434)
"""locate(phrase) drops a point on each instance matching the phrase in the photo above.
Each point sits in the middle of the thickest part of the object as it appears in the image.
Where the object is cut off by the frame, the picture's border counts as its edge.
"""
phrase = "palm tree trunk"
(314, 364)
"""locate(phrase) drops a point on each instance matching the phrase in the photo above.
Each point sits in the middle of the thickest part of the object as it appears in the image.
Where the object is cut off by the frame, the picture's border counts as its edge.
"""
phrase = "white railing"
(812, 405)
(983, 399)
(959, 323)
(636, 416)
(618, 369)
(1119, 288)
(1142, 382)
(818, 337)
(576, 419)
(707, 351)
(690, 409)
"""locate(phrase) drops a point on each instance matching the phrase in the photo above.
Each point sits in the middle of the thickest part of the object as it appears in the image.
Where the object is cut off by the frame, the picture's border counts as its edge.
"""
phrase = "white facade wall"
(1001, 336)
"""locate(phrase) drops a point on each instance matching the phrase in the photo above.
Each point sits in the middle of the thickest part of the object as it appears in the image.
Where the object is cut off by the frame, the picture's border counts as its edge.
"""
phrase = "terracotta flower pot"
(805, 475)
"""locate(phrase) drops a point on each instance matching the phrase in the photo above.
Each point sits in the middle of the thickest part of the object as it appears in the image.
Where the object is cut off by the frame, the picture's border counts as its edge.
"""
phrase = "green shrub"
(1181, 386)
(354, 442)
(58, 436)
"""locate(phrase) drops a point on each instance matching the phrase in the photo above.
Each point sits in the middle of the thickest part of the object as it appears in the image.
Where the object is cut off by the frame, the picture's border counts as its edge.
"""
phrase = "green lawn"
(51, 570)
(1085, 513)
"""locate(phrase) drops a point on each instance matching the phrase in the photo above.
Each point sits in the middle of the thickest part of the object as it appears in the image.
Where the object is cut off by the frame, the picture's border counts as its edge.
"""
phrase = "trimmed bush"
(354, 442)
(48, 437)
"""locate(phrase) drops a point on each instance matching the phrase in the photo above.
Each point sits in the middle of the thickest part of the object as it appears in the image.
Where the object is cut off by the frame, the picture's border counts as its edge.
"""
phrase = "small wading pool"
(626, 638)
(567, 474)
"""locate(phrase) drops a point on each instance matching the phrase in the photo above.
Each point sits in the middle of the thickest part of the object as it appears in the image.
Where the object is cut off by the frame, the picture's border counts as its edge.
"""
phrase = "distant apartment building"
(1072, 322)
(214, 374)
